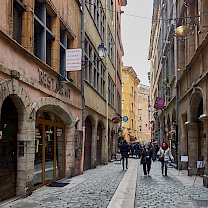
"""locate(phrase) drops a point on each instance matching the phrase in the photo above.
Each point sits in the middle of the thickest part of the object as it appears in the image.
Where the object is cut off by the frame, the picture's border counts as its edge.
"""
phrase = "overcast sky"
(136, 28)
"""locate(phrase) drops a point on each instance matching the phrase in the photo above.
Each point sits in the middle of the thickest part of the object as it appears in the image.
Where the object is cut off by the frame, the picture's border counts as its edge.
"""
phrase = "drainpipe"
(83, 80)
(176, 83)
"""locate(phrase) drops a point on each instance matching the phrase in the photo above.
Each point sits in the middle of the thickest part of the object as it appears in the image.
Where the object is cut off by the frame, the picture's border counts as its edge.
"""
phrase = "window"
(119, 102)
(111, 8)
(43, 36)
(64, 45)
(18, 9)
(110, 45)
(111, 87)
(140, 128)
(97, 13)
(94, 70)
(132, 107)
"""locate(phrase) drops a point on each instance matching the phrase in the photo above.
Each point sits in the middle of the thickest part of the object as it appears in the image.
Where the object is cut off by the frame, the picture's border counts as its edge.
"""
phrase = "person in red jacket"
(164, 154)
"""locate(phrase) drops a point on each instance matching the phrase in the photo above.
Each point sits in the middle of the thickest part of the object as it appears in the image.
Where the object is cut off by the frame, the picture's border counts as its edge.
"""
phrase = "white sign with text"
(73, 59)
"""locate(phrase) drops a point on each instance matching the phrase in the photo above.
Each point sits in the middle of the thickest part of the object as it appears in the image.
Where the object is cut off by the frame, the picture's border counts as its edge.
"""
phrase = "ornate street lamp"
(101, 50)
(183, 31)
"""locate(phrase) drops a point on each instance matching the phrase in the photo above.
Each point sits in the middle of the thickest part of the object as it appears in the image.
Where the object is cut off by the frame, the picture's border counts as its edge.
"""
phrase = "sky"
(135, 29)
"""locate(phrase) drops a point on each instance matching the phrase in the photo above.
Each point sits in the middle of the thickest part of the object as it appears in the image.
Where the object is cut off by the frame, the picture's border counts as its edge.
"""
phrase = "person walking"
(137, 150)
(125, 149)
(146, 158)
(164, 154)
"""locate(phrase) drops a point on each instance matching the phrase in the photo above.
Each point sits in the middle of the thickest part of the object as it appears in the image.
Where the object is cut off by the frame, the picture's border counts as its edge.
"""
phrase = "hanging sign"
(73, 59)
(159, 102)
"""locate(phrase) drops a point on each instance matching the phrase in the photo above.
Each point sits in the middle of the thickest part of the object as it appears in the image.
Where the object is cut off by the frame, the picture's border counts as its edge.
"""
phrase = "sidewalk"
(125, 193)
(183, 177)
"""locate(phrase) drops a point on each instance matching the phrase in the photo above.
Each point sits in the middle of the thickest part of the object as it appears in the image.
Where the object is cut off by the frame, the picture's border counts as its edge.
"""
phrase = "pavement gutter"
(125, 193)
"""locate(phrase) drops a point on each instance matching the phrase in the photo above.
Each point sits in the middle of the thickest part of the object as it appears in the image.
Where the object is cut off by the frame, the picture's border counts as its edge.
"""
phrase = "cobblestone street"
(96, 187)
(157, 191)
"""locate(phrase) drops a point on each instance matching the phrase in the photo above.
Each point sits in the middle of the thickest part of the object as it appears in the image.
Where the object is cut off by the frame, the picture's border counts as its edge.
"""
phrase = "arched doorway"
(88, 143)
(49, 148)
(200, 133)
(195, 132)
(8, 149)
(99, 144)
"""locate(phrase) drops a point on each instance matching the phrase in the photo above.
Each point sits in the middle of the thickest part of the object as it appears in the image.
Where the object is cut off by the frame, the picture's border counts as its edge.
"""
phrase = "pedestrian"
(137, 150)
(125, 149)
(155, 149)
(146, 159)
(164, 154)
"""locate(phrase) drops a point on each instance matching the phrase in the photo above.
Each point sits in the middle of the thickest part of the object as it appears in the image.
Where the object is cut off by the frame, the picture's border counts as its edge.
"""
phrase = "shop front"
(49, 148)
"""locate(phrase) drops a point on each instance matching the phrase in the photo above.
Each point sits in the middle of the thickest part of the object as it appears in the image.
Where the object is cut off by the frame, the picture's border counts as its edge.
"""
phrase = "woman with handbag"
(146, 157)
(164, 154)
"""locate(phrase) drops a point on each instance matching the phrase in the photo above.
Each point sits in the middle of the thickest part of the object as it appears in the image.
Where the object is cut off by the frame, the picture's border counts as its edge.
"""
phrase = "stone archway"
(100, 143)
(12, 90)
(195, 130)
(89, 132)
(60, 109)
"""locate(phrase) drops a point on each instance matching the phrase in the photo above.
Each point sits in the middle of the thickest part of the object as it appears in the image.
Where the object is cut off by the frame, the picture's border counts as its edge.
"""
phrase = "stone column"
(28, 25)
(204, 120)
(104, 155)
(192, 147)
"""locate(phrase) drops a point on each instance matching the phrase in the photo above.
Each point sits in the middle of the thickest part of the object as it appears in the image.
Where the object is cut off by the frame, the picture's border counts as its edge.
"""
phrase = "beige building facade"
(102, 81)
(143, 114)
(183, 119)
(130, 104)
(41, 104)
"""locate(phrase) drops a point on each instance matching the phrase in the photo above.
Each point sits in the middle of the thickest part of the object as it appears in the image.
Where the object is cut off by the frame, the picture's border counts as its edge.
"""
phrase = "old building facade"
(41, 103)
(130, 83)
(177, 52)
(38, 111)
(102, 80)
(143, 114)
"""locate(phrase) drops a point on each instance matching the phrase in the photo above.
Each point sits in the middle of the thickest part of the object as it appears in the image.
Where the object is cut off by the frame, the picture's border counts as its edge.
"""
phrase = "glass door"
(49, 149)
(49, 153)
(59, 152)
(38, 155)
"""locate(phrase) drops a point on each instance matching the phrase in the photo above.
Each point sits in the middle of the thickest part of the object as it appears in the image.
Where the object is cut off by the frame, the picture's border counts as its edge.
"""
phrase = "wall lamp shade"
(182, 31)
(101, 50)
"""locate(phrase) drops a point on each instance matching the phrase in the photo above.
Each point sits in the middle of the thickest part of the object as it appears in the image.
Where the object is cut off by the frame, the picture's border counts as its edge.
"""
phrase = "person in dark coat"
(137, 150)
(146, 159)
(125, 149)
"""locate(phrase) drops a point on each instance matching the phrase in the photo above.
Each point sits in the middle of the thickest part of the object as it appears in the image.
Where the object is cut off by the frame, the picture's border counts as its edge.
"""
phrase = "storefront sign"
(52, 84)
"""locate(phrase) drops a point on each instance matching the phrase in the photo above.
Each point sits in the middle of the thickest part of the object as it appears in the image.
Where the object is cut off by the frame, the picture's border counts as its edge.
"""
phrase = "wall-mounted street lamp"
(101, 50)
(183, 31)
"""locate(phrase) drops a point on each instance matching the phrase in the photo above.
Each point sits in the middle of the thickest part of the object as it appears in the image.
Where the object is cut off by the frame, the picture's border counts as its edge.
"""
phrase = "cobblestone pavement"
(95, 188)
(157, 191)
